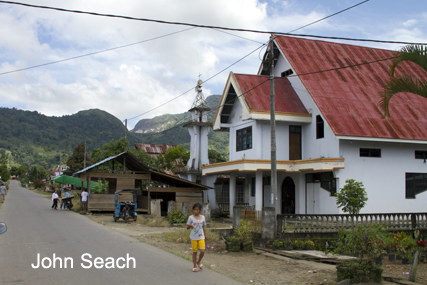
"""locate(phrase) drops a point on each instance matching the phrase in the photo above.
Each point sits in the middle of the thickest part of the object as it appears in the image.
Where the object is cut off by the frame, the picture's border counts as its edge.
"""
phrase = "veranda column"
(258, 190)
(232, 192)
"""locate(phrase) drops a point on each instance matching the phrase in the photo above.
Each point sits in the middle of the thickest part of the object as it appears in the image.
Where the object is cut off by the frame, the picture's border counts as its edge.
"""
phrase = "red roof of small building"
(348, 97)
(258, 96)
(154, 148)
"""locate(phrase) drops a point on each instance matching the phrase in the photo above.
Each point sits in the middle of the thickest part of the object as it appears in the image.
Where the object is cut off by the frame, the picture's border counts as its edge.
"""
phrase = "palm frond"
(396, 85)
(415, 53)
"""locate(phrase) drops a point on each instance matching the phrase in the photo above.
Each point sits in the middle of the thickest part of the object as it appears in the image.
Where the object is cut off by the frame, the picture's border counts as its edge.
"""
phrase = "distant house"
(330, 128)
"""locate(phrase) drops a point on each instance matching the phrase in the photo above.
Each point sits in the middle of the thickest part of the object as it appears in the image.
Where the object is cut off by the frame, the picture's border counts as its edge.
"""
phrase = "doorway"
(288, 196)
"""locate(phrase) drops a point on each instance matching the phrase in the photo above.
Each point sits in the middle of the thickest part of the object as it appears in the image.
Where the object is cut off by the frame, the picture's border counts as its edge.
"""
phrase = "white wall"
(384, 178)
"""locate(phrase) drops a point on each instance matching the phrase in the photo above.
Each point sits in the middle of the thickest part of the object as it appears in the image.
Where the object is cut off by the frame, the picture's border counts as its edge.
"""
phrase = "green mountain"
(31, 138)
(168, 129)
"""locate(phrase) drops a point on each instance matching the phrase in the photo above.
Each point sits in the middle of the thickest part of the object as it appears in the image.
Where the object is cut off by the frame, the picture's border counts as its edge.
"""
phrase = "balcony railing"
(295, 223)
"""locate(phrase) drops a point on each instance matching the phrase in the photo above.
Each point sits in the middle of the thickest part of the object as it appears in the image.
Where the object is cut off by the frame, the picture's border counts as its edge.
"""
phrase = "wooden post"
(124, 164)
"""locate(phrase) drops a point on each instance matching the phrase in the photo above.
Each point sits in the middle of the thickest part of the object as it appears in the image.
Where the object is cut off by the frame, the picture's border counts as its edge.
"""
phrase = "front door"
(288, 196)
(294, 142)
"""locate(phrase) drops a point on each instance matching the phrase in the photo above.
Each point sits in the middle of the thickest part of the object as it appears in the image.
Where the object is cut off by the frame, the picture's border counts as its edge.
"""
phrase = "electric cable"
(207, 26)
(93, 53)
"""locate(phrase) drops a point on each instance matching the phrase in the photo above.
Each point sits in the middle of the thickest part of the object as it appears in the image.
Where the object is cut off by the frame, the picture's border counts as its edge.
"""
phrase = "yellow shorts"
(197, 243)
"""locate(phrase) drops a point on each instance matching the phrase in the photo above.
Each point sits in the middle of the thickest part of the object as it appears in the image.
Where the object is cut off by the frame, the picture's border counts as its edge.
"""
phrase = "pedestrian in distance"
(64, 189)
(84, 200)
(197, 223)
(2, 193)
(55, 198)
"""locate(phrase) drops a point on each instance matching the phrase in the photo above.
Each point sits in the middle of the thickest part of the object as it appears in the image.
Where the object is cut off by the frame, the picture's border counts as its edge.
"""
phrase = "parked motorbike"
(3, 228)
(68, 203)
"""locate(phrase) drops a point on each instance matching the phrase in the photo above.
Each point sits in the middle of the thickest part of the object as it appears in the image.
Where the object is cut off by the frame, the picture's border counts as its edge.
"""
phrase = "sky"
(167, 60)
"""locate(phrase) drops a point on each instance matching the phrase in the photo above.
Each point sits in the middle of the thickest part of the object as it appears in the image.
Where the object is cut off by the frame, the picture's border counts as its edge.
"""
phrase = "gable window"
(370, 152)
(287, 73)
(415, 183)
(244, 139)
(320, 127)
(421, 154)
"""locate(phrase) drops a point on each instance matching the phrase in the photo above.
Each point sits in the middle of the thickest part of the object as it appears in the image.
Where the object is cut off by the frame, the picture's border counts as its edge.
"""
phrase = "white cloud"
(132, 80)
(409, 23)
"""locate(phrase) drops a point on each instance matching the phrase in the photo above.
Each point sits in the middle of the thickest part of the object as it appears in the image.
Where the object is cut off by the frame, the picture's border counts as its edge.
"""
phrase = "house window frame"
(286, 73)
(422, 153)
(320, 127)
(240, 194)
(246, 139)
(414, 184)
(371, 152)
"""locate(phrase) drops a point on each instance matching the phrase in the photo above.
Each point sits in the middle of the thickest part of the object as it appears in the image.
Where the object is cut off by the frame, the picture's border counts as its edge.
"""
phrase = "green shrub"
(176, 217)
(244, 232)
(359, 271)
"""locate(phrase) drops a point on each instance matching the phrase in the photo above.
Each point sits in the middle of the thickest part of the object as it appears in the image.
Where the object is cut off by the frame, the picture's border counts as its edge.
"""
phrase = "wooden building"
(127, 171)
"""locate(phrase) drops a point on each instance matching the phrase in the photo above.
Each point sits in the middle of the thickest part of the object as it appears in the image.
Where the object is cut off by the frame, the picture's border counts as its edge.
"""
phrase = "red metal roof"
(154, 148)
(258, 99)
(348, 98)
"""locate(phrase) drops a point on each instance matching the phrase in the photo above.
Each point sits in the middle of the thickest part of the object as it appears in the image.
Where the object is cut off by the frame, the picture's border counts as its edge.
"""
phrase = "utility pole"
(84, 162)
(274, 199)
(126, 128)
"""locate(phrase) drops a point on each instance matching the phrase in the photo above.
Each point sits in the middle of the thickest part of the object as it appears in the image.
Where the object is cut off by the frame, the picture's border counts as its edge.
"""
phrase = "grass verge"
(183, 235)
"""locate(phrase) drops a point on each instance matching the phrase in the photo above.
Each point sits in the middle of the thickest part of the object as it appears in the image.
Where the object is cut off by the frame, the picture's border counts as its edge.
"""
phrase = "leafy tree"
(115, 147)
(405, 83)
(76, 160)
(352, 197)
(176, 157)
(4, 158)
(37, 173)
(215, 156)
(4, 172)
(14, 170)
(22, 171)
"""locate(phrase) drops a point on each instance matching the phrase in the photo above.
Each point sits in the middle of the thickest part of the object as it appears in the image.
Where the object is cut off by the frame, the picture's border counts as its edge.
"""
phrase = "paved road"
(34, 228)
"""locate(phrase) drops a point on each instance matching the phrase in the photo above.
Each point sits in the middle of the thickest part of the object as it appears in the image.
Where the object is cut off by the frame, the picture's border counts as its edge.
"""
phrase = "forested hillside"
(30, 138)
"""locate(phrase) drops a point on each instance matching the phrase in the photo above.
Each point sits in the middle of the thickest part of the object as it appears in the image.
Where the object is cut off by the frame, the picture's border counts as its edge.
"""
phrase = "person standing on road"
(84, 200)
(2, 193)
(64, 189)
(197, 223)
(55, 200)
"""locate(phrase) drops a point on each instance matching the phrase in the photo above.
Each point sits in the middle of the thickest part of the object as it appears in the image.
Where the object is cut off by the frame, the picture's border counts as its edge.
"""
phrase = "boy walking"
(197, 223)
(2, 193)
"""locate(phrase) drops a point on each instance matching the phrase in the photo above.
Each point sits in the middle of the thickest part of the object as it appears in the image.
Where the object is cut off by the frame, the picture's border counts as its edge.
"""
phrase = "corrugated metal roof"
(348, 98)
(154, 148)
(97, 164)
(258, 99)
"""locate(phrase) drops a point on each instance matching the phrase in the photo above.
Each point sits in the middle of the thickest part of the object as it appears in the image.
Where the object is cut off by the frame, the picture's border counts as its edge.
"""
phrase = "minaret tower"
(198, 128)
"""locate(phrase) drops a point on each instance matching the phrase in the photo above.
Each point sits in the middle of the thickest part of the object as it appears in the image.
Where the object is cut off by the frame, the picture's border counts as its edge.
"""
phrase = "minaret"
(198, 128)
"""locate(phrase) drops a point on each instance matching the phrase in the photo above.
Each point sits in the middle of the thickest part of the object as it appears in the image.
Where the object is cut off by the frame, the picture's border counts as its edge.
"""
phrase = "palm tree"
(405, 83)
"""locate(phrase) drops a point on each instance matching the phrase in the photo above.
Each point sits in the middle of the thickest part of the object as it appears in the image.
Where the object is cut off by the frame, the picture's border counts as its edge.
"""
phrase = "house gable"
(253, 93)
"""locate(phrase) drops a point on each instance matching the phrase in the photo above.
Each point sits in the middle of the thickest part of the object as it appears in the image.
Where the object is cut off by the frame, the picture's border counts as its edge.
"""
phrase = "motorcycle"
(68, 203)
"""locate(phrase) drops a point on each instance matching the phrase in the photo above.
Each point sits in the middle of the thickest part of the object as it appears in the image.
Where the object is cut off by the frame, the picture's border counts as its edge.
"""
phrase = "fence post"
(279, 225)
(185, 206)
(413, 221)
(237, 212)
(268, 223)
(206, 211)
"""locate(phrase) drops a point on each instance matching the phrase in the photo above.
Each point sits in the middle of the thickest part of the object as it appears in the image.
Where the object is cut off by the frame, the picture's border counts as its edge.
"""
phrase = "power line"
(206, 26)
(93, 53)
(195, 86)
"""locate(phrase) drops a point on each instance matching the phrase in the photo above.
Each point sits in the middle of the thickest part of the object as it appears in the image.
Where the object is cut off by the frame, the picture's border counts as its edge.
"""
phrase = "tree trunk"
(413, 272)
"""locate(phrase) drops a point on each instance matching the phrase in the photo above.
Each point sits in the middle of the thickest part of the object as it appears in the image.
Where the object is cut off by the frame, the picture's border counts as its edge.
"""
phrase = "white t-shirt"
(84, 196)
(197, 232)
(54, 196)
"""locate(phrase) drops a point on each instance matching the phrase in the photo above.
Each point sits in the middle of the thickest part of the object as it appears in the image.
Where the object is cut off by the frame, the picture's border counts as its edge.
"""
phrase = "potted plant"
(309, 245)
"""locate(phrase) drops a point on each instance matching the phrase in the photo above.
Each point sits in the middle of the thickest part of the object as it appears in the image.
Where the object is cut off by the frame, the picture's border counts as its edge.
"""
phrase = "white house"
(330, 128)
